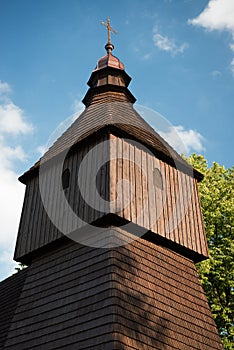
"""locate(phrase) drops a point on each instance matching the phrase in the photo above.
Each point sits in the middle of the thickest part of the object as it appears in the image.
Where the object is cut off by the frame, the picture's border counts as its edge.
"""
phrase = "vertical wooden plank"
(145, 191)
(69, 194)
(107, 174)
(138, 191)
(191, 214)
(80, 179)
(113, 172)
(99, 181)
(76, 185)
(132, 183)
(26, 232)
(169, 219)
(64, 202)
(40, 231)
(126, 178)
(186, 233)
(105, 156)
(58, 208)
(52, 194)
(92, 194)
(88, 174)
(196, 228)
(47, 221)
(59, 213)
(175, 203)
(84, 183)
(182, 224)
(102, 176)
(72, 191)
(30, 236)
(22, 226)
(119, 173)
(160, 198)
(151, 195)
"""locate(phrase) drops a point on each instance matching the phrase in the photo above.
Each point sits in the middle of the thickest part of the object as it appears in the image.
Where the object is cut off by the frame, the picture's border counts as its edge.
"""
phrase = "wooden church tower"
(111, 227)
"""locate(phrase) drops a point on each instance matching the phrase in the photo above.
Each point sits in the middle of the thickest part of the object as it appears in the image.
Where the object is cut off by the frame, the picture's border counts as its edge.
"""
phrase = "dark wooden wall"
(36, 228)
(174, 212)
(171, 209)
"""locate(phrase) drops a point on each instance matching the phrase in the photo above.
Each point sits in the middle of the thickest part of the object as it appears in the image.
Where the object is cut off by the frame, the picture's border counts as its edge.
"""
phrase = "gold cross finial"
(109, 29)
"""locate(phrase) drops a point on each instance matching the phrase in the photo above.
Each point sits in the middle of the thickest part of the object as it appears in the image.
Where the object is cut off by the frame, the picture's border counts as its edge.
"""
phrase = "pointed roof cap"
(109, 105)
(109, 60)
(109, 75)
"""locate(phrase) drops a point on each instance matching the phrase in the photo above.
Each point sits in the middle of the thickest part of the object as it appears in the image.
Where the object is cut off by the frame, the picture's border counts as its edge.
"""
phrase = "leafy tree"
(217, 273)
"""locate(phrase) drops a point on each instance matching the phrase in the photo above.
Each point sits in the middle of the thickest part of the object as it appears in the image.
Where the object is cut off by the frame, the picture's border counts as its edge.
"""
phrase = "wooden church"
(111, 229)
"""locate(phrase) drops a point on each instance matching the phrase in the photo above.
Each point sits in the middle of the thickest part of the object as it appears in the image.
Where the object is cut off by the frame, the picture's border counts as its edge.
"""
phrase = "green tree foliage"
(217, 273)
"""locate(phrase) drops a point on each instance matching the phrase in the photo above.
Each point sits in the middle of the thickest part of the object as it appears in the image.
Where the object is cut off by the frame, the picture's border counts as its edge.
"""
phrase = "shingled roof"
(109, 106)
(10, 290)
(140, 296)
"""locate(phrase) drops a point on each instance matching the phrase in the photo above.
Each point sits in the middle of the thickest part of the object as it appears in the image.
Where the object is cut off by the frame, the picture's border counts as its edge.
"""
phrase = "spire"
(109, 76)
(109, 60)
(109, 46)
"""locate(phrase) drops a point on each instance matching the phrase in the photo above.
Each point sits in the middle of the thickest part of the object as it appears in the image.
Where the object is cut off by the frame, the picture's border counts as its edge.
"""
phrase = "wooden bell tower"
(111, 267)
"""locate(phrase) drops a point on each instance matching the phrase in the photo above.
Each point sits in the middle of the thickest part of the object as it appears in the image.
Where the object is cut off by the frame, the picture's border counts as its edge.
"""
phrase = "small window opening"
(157, 179)
(66, 179)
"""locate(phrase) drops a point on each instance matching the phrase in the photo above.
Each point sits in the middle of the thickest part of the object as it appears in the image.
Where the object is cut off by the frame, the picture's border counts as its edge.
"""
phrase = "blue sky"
(179, 53)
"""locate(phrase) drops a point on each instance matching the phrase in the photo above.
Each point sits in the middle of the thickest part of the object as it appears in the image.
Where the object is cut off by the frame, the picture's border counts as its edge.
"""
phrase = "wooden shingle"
(137, 296)
(10, 290)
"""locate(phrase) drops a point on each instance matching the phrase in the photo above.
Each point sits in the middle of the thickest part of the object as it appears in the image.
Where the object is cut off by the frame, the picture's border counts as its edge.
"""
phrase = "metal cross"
(109, 29)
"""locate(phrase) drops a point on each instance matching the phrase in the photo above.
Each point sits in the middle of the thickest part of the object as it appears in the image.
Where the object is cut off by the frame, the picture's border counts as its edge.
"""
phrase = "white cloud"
(164, 43)
(183, 141)
(217, 15)
(12, 123)
(216, 73)
(4, 88)
(232, 66)
(12, 120)
(10, 206)
(7, 264)
(231, 46)
(42, 149)
(9, 154)
(147, 56)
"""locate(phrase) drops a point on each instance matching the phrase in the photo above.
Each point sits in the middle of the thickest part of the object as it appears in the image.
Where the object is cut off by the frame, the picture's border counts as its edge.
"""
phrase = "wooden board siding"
(173, 212)
(36, 229)
(139, 296)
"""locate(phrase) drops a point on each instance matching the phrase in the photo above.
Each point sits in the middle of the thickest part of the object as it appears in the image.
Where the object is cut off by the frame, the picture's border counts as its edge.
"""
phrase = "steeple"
(109, 76)
(76, 295)
(109, 60)
(110, 115)
(109, 46)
